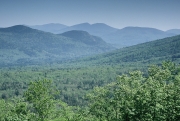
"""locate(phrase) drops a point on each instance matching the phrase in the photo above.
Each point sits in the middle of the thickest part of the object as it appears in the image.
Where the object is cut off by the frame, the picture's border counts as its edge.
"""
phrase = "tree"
(41, 95)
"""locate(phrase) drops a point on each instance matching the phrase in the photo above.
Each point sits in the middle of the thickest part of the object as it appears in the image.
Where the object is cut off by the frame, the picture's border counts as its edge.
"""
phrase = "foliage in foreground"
(133, 97)
(38, 104)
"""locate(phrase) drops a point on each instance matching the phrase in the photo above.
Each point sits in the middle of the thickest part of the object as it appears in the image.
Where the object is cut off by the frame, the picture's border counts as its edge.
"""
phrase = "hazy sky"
(160, 14)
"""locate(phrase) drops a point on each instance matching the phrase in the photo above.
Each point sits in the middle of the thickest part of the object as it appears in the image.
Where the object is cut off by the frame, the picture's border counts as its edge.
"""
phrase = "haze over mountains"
(174, 31)
(150, 52)
(84, 37)
(52, 27)
(135, 35)
(124, 37)
(20, 44)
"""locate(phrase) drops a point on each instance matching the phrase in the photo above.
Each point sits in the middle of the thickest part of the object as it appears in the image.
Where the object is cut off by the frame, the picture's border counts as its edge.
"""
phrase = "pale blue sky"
(160, 14)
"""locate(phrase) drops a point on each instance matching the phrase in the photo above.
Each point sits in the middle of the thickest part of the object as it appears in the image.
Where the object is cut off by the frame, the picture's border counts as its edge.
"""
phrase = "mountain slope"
(119, 38)
(52, 27)
(98, 29)
(158, 50)
(20, 44)
(84, 37)
(129, 36)
(174, 31)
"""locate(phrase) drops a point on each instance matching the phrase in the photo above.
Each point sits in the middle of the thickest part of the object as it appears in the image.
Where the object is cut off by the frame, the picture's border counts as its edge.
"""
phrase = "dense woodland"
(130, 97)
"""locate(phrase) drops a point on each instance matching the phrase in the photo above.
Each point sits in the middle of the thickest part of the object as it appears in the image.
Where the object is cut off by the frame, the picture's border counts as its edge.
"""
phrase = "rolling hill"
(84, 37)
(119, 38)
(98, 29)
(124, 37)
(129, 36)
(174, 31)
(23, 45)
(149, 52)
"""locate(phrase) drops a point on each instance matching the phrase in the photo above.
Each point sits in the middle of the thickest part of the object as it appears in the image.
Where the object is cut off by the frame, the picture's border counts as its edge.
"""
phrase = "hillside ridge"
(22, 45)
(157, 50)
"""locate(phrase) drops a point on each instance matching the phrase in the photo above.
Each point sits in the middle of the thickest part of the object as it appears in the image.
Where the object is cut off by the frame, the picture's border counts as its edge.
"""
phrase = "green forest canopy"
(131, 97)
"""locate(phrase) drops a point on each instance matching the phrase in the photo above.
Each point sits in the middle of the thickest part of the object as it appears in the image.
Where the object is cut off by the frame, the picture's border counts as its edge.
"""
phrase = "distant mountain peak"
(17, 29)
(99, 24)
(85, 23)
(174, 31)
(82, 25)
(140, 28)
(83, 36)
(17, 26)
(26, 45)
(79, 32)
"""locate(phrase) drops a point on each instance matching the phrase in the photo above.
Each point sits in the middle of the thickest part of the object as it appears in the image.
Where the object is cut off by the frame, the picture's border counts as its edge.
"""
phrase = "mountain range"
(129, 36)
(119, 38)
(21, 44)
(98, 29)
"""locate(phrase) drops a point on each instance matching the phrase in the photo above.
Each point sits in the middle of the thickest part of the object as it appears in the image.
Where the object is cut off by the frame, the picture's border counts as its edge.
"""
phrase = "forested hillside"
(76, 78)
(129, 36)
(23, 45)
(174, 31)
(84, 37)
(154, 51)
